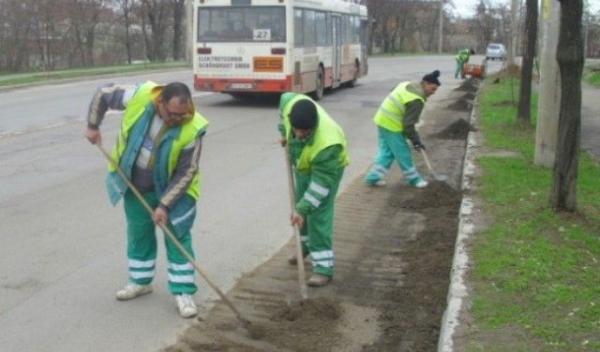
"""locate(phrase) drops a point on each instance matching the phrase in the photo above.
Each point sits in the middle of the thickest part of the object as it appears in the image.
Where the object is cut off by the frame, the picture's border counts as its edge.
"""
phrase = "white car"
(495, 51)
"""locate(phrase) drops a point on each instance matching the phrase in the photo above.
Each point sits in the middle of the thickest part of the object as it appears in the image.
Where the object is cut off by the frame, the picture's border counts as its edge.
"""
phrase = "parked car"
(495, 51)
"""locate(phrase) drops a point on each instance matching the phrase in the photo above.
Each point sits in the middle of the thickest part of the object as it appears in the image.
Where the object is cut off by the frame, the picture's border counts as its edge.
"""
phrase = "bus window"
(242, 24)
(298, 29)
(321, 24)
(310, 37)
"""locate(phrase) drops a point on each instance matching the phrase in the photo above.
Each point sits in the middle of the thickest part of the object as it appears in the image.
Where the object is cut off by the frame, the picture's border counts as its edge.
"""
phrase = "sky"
(466, 8)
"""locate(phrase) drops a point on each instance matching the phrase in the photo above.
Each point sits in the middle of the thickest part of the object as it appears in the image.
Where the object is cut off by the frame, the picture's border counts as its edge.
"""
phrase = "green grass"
(591, 75)
(537, 273)
(40, 77)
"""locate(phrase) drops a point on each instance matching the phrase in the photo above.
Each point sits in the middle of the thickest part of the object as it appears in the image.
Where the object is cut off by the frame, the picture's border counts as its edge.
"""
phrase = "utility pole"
(514, 28)
(441, 29)
(549, 95)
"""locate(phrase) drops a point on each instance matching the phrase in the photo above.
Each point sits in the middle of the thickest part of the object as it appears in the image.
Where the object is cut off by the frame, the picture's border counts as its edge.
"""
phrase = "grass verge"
(592, 75)
(536, 278)
(593, 78)
(40, 77)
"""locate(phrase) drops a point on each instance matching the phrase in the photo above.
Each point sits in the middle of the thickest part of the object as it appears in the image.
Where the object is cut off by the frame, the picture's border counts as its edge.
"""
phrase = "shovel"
(245, 322)
(299, 256)
(436, 176)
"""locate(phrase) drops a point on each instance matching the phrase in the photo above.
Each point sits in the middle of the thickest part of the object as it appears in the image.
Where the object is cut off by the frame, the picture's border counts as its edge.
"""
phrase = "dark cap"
(304, 115)
(432, 77)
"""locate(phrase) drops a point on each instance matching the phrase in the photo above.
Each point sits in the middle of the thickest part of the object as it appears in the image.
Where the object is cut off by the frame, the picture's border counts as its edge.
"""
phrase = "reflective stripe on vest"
(145, 95)
(328, 133)
(392, 110)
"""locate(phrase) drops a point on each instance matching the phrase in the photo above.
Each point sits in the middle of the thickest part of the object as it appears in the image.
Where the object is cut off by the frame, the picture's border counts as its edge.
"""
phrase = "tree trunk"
(178, 14)
(570, 61)
(127, 5)
(524, 112)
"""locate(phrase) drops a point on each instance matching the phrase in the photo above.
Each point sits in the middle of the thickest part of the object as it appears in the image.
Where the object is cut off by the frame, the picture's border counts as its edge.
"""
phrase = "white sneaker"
(421, 184)
(380, 183)
(131, 291)
(185, 304)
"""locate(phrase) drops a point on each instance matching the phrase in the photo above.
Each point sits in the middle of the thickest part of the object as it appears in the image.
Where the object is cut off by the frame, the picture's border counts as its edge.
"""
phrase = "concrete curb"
(461, 262)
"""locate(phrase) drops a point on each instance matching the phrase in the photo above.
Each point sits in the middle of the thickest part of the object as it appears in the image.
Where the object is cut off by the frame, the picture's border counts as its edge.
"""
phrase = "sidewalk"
(590, 120)
(393, 246)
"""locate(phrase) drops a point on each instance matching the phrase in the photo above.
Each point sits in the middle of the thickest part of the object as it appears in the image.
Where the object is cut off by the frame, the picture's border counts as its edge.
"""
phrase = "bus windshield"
(241, 24)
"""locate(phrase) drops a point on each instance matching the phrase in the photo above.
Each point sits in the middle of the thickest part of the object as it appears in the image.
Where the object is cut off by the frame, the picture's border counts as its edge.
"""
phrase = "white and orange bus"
(271, 46)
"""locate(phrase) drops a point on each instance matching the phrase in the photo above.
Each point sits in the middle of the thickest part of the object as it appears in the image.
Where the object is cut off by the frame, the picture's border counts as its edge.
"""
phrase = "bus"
(274, 46)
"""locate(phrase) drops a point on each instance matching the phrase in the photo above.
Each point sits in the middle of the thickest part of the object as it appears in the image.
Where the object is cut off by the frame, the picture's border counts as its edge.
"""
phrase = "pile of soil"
(461, 105)
(394, 250)
(437, 194)
(468, 96)
(309, 310)
(457, 130)
(469, 85)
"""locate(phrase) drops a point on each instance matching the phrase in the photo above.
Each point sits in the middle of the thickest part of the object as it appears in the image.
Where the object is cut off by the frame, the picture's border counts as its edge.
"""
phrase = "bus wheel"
(320, 83)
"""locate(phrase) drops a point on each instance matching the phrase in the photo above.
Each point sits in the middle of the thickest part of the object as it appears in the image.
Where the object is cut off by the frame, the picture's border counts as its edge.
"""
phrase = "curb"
(461, 261)
(84, 78)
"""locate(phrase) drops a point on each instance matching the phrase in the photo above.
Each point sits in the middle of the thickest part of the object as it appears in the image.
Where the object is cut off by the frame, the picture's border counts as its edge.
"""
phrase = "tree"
(178, 17)
(16, 34)
(570, 62)
(127, 7)
(84, 16)
(531, 19)
(155, 11)
(484, 24)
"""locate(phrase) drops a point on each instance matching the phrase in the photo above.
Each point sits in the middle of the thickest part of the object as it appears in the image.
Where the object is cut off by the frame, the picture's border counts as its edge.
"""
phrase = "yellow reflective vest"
(140, 108)
(391, 111)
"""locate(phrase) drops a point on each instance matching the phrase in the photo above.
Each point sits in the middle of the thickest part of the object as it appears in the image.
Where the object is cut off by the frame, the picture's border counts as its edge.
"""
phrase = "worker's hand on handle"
(93, 136)
(297, 220)
(160, 216)
(418, 146)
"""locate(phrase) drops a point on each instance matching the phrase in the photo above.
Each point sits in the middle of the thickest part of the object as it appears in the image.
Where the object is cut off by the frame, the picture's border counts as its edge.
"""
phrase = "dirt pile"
(461, 105)
(457, 130)
(468, 96)
(310, 310)
(437, 194)
(469, 85)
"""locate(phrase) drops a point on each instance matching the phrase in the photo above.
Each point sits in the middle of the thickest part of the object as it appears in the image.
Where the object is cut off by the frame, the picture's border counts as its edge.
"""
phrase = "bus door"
(364, 46)
(336, 32)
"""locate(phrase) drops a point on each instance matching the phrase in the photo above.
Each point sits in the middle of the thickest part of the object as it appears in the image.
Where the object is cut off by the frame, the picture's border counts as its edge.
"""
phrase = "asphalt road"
(62, 246)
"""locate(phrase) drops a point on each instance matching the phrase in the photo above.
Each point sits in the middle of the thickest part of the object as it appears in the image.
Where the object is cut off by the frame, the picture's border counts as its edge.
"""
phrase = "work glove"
(418, 145)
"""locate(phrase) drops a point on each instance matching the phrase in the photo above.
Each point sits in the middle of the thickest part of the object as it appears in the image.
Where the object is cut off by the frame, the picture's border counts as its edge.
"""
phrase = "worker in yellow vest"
(395, 120)
(461, 58)
(158, 148)
(317, 147)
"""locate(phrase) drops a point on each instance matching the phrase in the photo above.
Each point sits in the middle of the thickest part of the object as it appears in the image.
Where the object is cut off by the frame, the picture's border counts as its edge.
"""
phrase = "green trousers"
(459, 69)
(141, 248)
(317, 232)
(392, 146)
